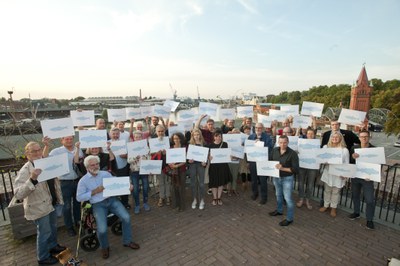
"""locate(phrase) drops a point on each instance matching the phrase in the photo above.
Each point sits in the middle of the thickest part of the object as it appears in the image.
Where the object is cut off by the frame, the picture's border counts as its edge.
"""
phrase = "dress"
(219, 172)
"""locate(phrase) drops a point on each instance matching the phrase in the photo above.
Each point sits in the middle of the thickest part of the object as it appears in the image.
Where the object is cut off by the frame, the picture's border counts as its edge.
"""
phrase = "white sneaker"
(201, 206)
(194, 203)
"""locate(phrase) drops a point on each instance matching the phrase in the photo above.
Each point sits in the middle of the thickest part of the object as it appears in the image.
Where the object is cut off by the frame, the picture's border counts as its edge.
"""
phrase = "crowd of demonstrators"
(101, 162)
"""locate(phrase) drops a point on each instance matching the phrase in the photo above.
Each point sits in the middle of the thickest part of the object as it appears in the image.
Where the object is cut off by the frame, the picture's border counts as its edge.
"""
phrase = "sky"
(65, 49)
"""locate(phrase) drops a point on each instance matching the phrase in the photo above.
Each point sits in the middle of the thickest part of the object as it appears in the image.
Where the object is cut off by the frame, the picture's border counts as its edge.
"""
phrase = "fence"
(387, 193)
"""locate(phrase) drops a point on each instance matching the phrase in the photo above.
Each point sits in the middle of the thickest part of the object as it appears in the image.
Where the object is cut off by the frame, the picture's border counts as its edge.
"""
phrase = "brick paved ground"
(238, 233)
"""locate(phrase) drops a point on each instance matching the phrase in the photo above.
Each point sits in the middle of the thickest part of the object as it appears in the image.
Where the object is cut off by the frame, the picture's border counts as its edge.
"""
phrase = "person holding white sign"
(178, 177)
(360, 183)
(40, 200)
(288, 166)
(332, 183)
(197, 172)
(90, 188)
(135, 177)
(219, 173)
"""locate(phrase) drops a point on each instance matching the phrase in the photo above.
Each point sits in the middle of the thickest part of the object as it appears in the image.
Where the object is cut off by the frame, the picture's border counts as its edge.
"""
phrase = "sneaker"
(146, 207)
(137, 210)
(354, 216)
(201, 205)
(49, 261)
(225, 190)
(370, 225)
(194, 203)
(209, 191)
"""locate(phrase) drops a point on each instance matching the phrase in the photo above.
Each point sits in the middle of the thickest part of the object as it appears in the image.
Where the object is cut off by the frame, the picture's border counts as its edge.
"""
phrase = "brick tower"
(361, 93)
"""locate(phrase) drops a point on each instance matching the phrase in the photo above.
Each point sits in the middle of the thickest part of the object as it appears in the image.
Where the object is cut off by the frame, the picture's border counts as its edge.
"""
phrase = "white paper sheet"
(148, 167)
(329, 155)
(312, 108)
(197, 153)
(171, 104)
(118, 147)
(371, 155)
(265, 120)
(147, 111)
(52, 166)
(156, 145)
(244, 111)
(176, 129)
(135, 113)
(57, 128)
(116, 186)
(292, 110)
(83, 118)
(277, 115)
(257, 154)
(351, 117)
(308, 145)
(237, 152)
(92, 138)
(267, 168)
(161, 111)
(233, 140)
(222, 155)
(116, 114)
(308, 160)
(208, 108)
(369, 171)
(176, 155)
(226, 113)
(301, 121)
(184, 115)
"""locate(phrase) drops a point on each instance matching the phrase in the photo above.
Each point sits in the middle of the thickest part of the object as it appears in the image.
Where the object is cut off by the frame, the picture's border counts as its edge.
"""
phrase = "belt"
(70, 180)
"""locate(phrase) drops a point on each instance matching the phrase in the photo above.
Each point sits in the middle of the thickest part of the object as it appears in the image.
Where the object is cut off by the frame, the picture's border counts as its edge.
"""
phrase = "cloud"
(247, 5)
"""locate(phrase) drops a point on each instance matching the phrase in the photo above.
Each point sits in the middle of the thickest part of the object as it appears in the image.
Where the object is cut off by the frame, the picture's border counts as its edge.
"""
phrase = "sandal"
(219, 202)
(214, 202)
(299, 203)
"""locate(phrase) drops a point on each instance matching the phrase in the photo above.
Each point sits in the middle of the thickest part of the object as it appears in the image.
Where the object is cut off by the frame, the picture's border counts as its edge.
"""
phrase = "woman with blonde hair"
(197, 172)
(333, 183)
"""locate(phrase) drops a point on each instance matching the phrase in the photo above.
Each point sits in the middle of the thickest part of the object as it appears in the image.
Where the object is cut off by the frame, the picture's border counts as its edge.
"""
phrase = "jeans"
(135, 177)
(164, 182)
(283, 189)
(368, 191)
(197, 172)
(100, 212)
(254, 182)
(234, 168)
(71, 210)
(307, 179)
(46, 238)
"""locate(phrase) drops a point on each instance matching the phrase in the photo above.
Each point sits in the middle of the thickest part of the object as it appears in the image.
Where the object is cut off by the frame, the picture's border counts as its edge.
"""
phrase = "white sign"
(171, 104)
(226, 113)
(176, 155)
(93, 138)
(346, 170)
(185, 115)
(308, 160)
(157, 145)
(57, 128)
(222, 155)
(118, 147)
(233, 140)
(371, 155)
(116, 186)
(82, 118)
(311, 108)
(244, 111)
(161, 111)
(351, 117)
(208, 108)
(301, 121)
(329, 155)
(197, 153)
(267, 168)
(237, 152)
(187, 125)
(147, 111)
(308, 145)
(265, 120)
(176, 129)
(116, 114)
(137, 148)
(277, 115)
(257, 154)
(152, 167)
(292, 110)
(133, 113)
(52, 166)
(369, 171)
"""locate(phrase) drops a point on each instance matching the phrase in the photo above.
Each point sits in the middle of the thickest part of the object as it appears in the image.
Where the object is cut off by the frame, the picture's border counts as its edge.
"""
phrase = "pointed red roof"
(362, 78)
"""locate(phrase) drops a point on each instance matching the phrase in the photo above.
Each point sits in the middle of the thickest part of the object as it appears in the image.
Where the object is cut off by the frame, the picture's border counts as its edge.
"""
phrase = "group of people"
(84, 181)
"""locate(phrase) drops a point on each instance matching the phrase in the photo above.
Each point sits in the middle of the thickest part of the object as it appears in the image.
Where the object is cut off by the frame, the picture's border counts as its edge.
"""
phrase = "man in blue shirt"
(90, 188)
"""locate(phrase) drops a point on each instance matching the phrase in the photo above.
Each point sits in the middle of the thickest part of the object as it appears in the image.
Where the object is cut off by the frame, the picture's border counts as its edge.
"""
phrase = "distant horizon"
(65, 49)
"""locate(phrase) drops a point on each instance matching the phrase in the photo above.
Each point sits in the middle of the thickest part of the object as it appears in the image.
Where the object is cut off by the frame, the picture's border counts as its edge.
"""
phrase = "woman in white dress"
(333, 183)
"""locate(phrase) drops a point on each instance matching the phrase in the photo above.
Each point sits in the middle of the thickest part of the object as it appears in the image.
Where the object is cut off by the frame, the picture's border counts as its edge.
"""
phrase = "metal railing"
(387, 193)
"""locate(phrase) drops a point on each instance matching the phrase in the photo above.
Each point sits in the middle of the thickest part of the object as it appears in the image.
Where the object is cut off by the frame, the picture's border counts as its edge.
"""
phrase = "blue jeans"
(71, 205)
(368, 191)
(100, 212)
(197, 173)
(254, 182)
(135, 177)
(283, 189)
(46, 238)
